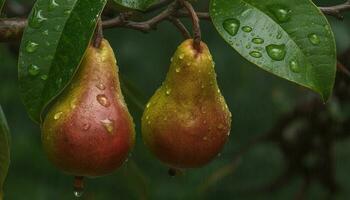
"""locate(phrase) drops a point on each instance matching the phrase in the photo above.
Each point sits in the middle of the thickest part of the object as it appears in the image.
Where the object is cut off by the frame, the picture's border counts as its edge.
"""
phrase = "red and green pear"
(88, 131)
(187, 121)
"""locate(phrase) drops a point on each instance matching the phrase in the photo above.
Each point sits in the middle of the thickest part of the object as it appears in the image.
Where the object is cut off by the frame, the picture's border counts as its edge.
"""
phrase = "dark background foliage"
(291, 117)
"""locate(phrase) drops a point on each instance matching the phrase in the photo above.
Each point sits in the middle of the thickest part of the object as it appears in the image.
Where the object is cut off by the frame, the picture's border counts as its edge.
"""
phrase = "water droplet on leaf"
(37, 19)
(314, 39)
(247, 29)
(294, 66)
(31, 47)
(255, 54)
(258, 40)
(280, 13)
(276, 52)
(33, 70)
(231, 26)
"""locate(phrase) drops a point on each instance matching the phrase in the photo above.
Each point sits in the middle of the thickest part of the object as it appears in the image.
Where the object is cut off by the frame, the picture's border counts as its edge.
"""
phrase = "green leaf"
(289, 38)
(52, 48)
(4, 150)
(136, 4)
(2, 2)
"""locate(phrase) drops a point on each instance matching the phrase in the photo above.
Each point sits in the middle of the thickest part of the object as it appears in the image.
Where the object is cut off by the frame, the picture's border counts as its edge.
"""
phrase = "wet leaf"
(136, 4)
(289, 38)
(4, 150)
(52, 48)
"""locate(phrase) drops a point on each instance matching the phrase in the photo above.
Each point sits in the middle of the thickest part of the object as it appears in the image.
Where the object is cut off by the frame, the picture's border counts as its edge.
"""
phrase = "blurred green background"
(256, 99)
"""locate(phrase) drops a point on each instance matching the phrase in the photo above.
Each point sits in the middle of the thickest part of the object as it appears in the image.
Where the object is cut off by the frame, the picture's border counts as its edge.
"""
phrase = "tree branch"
(336, 11)
(11, 29)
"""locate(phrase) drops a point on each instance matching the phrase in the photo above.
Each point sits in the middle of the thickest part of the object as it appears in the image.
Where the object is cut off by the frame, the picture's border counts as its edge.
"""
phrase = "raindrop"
(258, 40)
(53, 4)
(86, 126)
(276, 52)
(314, 39)
(33, 70)
(108, 124)
(31, 46)
(57, 115)
(181, 56)
(280, 13)
(44, 77)
(102, 99)
(255, 54)
(248, 46)
(46, 32)
(221, 126)
(231, 26)
(178, 69)
(37, 19)
(247, 29)
(294, 66)
(78, 186)
(279, 35)
(148, 105)
(67, 12)
(100, 86)
(168, 91)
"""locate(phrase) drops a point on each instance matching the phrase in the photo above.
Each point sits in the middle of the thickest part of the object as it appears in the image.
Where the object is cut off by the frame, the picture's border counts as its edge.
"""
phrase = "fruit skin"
(89, 131)
(187, 122)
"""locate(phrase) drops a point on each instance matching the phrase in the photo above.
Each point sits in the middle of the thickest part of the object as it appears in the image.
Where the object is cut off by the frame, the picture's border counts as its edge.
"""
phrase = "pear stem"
(197, 35)
(179, 25)
(98, 34)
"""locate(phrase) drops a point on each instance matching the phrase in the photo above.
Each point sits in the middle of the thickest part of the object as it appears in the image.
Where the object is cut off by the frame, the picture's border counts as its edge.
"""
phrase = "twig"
(336, 11)
(343, 69)
(11, 29)
(179, 25)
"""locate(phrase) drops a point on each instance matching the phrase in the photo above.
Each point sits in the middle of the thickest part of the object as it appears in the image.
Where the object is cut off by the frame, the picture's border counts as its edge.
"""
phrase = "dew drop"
(258, 40)
(78, 194)
(31, 46)
(33, 70)
(46, 32)
(178, 69)
(57, 115)
(86, 126)
(102, 99)
(294, 66)
(276, 52)
(247, 29)
(148, 105)
(37, 19)
(168, 92)
(314, 39)
(67, 12)
(280, 13)
(279, 35)
(231, 26)
(108, 124)
(181, 56)
(255, 54)
(221, 126)
(44, 77)
(100, 86)
(53, 4)
(248, 46)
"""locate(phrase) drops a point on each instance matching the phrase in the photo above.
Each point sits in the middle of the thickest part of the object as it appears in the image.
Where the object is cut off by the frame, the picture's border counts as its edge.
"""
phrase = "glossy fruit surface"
(187, 122)
(88, 131)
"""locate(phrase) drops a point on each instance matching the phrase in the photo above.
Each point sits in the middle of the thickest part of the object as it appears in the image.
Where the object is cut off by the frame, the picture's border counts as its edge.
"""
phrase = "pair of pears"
(89, 132)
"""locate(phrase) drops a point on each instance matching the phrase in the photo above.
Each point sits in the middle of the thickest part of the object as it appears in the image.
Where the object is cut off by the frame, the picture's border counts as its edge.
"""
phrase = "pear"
(88, 131)
(187, 122)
